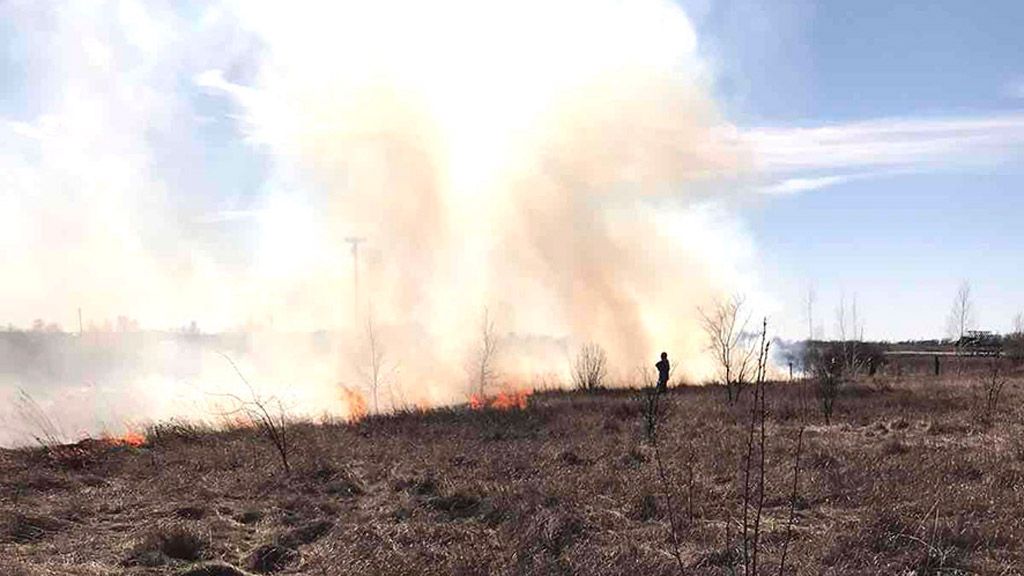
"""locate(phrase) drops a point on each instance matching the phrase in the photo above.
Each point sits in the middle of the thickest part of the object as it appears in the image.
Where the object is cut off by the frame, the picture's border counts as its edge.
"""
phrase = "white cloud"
(797, 185)
(213, 79)
(793, 158)
(889, 142)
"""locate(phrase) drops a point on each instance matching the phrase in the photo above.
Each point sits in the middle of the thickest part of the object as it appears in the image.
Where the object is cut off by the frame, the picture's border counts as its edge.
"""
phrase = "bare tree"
(960, 320)
(811, 296)
(1013, 344)
(375, 370)
(850, 334)
(483, 367)
(734, 349)
(590, 368)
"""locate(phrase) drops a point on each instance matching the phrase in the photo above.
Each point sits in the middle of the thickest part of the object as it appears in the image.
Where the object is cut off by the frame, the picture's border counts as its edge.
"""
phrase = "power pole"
(79, 321)
(355, 241)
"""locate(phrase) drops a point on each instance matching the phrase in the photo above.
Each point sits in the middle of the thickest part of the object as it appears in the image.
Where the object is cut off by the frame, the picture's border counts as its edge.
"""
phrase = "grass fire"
(531, 287)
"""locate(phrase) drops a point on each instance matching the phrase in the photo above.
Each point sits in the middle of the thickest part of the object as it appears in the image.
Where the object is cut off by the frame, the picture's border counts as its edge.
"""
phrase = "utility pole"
(80, 321)
(355, 241)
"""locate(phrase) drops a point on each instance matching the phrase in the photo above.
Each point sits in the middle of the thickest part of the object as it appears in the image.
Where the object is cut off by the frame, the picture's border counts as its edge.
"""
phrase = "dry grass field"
(912, 476)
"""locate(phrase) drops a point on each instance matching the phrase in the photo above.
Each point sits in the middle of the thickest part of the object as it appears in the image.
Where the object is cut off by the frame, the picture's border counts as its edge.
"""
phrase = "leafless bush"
(590, 368)
(828, 365)
(651, 408)
(992, 386)
(177, 541)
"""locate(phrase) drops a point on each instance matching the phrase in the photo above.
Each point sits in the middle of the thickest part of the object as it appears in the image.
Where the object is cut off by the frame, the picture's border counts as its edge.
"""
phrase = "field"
(912, 476)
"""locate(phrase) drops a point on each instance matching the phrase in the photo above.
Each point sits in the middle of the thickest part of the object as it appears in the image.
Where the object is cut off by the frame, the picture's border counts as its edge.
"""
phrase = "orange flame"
(515, 399)
(356, 402)
(130, 438)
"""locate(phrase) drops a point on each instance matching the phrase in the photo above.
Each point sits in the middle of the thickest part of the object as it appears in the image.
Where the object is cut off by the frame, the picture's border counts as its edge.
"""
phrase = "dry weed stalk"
(792, 500)
(273, 425)
(756, 440)
(47, 433)
(653, 413)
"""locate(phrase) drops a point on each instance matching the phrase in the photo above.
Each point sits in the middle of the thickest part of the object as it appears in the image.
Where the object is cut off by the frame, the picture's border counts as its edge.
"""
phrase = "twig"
(792, 500)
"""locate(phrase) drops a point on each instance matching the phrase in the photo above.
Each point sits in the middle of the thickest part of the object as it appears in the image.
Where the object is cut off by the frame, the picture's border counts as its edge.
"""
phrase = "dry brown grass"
(906, 480)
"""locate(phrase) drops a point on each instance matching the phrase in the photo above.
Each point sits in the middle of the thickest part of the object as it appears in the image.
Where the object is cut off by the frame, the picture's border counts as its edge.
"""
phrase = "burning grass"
(505, 400)
(907, 479)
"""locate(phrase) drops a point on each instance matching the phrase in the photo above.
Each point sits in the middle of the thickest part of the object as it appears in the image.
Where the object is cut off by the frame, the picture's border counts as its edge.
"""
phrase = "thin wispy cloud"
(799, 159)
(797, 185)
(214, 80)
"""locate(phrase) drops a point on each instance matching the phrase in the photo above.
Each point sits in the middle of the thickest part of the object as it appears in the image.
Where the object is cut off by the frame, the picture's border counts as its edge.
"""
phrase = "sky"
(895, 167)
(887, 146)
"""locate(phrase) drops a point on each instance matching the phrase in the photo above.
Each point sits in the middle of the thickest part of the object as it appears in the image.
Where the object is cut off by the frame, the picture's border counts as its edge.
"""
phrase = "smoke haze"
(559, 165)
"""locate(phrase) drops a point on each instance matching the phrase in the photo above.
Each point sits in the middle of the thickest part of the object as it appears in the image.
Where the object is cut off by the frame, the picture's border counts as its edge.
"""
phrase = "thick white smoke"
(533, 158)
(558, 164)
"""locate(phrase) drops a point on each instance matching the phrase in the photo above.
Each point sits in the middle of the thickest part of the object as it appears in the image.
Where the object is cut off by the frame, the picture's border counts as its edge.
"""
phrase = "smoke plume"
(558, 166)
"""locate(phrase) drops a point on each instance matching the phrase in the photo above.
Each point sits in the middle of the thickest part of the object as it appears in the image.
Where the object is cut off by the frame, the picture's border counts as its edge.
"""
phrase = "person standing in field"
(663, 370)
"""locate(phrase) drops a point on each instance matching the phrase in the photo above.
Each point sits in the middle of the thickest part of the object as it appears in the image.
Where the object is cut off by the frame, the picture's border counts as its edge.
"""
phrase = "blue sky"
(888, 137)
(899, 240)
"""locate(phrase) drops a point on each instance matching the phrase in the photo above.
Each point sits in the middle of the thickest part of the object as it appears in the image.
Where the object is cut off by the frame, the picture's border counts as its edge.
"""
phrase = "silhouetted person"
(663, 368)
(936, 365)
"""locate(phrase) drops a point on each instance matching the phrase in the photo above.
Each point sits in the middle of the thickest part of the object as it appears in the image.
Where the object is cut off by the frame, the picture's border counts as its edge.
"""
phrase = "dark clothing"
(663, 368)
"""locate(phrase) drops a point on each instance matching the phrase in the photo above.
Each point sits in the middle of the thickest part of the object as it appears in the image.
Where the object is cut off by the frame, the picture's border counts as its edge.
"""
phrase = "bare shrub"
(590, 368)
(827, 364)
(271, 558)
(651, 409)
(176, 541)
(992, 386)
(174, 431)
